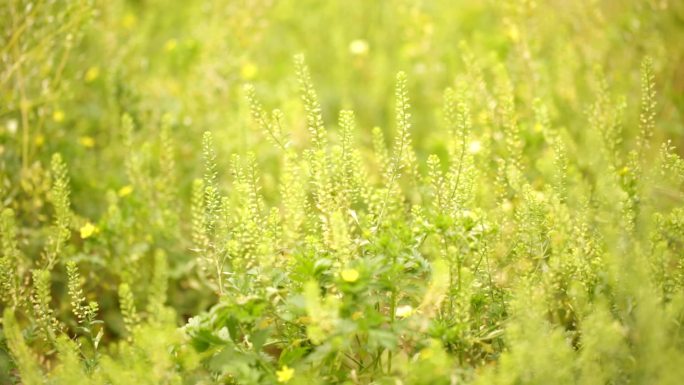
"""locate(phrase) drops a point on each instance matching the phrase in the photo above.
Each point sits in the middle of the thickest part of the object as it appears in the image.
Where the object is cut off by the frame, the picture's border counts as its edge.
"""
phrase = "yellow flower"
(87, 230)
(358, 47)
(39, 140)
(58, 116)
(482, 117)
(129, 21)
(170, 45)
(538, 127)
(475, 147)
(350, 275)
(514, 33)
(12, 126)
(426, 353)
(92, 74)
(87, 141)
(125, 190)
(174, 88)
(264, 323)
(249, 71)
(285, 374)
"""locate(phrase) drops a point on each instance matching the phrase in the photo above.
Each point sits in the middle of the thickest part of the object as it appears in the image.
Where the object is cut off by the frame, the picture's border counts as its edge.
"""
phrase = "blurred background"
(70, 68)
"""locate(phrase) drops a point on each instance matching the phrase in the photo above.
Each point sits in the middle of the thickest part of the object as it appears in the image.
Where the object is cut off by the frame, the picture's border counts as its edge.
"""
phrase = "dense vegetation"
(352, 192)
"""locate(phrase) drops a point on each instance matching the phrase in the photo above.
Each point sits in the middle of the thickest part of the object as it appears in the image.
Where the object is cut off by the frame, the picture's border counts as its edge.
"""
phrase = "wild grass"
(343, 192)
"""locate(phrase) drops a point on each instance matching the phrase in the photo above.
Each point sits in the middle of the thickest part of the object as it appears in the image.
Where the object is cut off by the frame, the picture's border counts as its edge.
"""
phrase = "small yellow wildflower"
(624, 170)
(538, 127)
(285, 374)
(350, 275)
(513, 33)
(358, 47)
(248, 71)
(426, 353)
(125, 190)
(170, 45)
(87, 141)
(129, 20)
(87, 230)
(58, 116)
(264, 323)
(474, 147)
(39, 140)
(482, 117)
(12, 126)
(92, 74)
(174, 88)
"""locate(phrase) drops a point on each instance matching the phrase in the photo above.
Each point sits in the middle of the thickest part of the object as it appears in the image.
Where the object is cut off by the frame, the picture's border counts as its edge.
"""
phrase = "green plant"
(183, 203)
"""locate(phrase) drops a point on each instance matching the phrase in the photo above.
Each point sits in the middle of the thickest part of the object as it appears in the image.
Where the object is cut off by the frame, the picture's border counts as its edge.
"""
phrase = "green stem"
(393, 306)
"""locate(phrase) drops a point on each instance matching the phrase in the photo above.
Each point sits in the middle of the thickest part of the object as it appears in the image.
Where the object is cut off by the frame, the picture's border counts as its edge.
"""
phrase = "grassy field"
(342, 192)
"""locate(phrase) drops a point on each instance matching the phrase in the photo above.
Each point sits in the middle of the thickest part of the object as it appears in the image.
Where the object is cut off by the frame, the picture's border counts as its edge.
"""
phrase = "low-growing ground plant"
(341, 192)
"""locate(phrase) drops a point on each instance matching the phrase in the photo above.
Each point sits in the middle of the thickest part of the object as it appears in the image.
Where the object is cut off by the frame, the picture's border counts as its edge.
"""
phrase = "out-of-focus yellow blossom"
(125, 190)
(39, 140)
(350, 275)
(12, 126)
(482, 117)
(174, 88)
(285, 374)
(171, 45)
(426, 353)
(266, 322)
(87, 230)
(87, 141)
(249, 71)
(358, 47)
(92, 74)
(129, 20)
(58, 116)
(475, 147)
(513, 32)
(538, 127)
